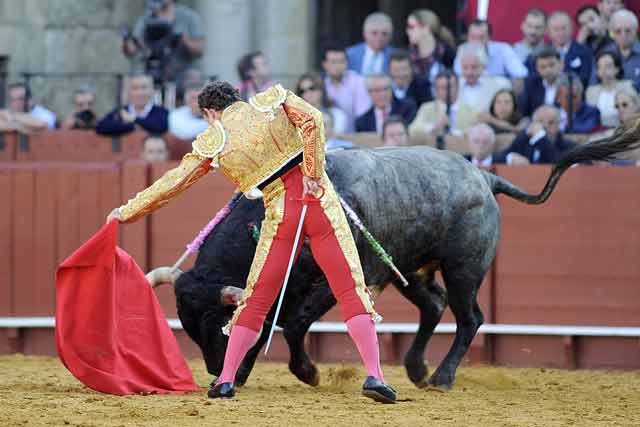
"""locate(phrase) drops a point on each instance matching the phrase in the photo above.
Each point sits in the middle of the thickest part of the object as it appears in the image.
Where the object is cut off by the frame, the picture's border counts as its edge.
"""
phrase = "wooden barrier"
(8, 144)
(570, 261)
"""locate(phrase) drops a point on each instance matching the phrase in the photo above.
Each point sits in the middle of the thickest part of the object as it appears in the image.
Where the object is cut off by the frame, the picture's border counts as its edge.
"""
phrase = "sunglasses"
(621, 105)
(307, 89)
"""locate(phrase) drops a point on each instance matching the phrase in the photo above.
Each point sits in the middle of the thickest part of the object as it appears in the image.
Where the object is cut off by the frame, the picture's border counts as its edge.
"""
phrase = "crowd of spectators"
(517, 104)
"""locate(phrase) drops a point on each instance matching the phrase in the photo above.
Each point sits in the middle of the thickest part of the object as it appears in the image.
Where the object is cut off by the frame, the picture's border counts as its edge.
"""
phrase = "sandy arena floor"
(39, 391)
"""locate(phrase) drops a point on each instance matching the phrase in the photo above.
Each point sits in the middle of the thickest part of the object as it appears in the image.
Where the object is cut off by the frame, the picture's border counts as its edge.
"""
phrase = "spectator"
(23, 113)
(345, 88)
(593, 31)
(379, 87)
(608, 8)
(331, 142)
(533, 26)
(432, 118)
(395, 132)
(482, 142)
(186, 122)
(140, 113)
(477, 89)
(430, 44)
(310, 87)
(541, 142)
(540, 87)
(502, 60)
(627, 104)
(254, 73)
(372, 55)
(576, 57)
(503, 115)
(602, 96)
(83, 115)
(623, 25)
(404, 83)
(166, 25)
(585, 118)
(155, 149)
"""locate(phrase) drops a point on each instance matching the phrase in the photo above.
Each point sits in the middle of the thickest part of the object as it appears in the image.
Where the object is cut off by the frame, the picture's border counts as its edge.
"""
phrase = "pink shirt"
(350, 95)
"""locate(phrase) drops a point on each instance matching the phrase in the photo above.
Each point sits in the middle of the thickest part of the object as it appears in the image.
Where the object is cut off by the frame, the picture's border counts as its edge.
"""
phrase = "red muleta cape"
(111, 332)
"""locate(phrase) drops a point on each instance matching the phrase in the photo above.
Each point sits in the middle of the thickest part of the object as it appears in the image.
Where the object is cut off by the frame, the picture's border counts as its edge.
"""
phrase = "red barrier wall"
(570, 261)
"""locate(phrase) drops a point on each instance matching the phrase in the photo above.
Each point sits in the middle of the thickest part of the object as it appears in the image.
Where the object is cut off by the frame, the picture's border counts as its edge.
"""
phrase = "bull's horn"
(230, 295)
(161, 275)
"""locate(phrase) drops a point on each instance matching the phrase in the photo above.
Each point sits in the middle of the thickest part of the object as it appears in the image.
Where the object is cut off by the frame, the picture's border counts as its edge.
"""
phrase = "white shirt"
(184, 125)
(488, 161)
(144, 113)
(480, 94)
(380, 117)
(606, 105)
(39, 112)
(399, 92)
(373, 62)
(550, 92)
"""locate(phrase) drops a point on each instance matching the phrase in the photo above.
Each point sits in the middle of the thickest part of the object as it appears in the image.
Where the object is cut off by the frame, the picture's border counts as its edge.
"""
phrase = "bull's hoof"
(440, 388)
(417, 372)
(423, 383)
(309, 376)
(241, 379)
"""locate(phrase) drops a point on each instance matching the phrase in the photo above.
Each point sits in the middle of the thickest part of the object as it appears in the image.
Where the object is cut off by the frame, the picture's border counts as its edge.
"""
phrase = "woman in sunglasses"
(430, 44)
(310, 87)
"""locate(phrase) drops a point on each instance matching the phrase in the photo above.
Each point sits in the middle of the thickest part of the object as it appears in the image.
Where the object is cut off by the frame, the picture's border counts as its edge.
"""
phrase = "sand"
(39, 391)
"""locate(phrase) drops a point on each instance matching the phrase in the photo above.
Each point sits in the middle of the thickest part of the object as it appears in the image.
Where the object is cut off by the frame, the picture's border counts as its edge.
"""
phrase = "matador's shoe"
(221, 391)
(375, 389)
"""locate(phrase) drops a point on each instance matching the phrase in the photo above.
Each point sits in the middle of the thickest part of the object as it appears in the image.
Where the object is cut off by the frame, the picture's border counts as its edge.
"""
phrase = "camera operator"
(168, 39)
(83, 115)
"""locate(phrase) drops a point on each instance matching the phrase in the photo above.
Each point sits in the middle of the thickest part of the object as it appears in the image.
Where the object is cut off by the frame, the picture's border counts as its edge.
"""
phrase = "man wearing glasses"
(384, 105)
(372, 55)
(623, 25)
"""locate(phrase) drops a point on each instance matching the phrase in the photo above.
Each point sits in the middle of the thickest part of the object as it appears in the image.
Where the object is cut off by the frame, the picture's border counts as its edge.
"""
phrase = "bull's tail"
(604, 149)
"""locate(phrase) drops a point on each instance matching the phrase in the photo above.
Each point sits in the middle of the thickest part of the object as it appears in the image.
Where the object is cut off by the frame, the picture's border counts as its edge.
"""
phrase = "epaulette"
(269, 100)
(211, 141)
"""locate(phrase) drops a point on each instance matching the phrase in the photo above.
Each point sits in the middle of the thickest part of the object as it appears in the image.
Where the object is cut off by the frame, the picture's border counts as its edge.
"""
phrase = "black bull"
(430, 209)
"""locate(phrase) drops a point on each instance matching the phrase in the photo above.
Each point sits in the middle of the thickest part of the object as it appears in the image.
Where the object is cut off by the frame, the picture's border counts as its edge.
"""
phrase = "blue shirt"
(503, 61)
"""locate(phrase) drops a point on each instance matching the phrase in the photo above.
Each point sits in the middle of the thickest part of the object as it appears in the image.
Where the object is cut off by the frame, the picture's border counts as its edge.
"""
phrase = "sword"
(305, 201)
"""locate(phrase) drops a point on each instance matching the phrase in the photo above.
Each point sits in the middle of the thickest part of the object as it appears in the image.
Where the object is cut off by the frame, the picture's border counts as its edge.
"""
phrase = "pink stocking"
(363, 333)
(240, 341)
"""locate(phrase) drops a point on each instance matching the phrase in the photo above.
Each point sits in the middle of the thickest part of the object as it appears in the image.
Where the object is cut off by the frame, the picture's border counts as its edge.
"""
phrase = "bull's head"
(203, 308)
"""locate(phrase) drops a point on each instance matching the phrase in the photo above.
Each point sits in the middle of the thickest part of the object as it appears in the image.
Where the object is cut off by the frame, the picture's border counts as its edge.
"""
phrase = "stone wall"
(61, 37)
(66, 36)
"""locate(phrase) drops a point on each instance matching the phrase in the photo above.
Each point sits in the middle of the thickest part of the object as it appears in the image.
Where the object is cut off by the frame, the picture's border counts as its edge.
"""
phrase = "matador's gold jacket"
(249, 143)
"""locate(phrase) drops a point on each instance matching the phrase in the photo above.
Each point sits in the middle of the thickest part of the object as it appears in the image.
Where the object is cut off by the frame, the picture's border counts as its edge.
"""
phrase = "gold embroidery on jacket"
(191, 168)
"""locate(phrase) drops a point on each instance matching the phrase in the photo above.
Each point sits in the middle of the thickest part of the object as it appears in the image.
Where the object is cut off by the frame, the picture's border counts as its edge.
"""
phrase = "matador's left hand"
(114, 214)
(310, 186)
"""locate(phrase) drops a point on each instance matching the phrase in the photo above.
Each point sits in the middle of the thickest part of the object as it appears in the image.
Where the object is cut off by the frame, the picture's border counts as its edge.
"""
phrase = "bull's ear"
(230, 295)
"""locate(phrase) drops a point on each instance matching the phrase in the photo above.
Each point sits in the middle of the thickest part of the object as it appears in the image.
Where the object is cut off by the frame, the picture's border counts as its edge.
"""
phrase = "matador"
(274, 146)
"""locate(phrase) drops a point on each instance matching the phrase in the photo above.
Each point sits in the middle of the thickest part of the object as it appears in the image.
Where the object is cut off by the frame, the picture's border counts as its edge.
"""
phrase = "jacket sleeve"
(191, 168)
(157, 121)
(311, 125)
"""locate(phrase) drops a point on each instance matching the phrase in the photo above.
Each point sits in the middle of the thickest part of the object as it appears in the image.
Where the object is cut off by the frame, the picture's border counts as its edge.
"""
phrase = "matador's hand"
(114, 214)
(310, 185)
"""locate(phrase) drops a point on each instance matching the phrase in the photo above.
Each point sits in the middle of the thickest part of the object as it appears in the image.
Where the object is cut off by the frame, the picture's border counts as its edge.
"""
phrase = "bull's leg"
(315, 305)
(426, 294)
(462, 288)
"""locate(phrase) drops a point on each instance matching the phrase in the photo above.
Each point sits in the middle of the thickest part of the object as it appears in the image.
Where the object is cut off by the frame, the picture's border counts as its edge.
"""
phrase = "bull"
(431, 210)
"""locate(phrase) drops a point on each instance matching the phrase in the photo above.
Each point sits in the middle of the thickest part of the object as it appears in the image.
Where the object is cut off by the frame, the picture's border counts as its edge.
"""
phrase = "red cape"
(111, 333)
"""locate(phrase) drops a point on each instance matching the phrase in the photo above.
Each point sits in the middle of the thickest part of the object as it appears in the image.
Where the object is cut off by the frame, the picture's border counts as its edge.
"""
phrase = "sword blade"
(286, 277)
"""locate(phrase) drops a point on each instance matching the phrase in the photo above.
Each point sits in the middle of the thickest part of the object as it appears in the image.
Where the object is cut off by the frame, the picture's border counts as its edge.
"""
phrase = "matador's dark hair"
(218, 96)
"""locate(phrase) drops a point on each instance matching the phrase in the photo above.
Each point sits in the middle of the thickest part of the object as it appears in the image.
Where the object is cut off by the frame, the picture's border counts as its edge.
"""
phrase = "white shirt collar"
(145, 111)
(488, 161)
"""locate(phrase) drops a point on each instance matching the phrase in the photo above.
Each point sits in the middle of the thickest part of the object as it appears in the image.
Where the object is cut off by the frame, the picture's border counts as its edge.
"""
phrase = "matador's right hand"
(114, 214)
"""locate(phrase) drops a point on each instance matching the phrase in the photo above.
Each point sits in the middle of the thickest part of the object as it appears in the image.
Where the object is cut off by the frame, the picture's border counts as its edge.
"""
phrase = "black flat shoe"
(222, 391)
(375, 389)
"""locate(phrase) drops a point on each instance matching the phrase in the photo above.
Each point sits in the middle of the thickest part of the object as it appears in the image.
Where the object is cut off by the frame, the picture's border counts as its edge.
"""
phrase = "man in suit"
(372, 55)
(542, 142)
(379, 87)
(570, 96)
(576, 57)
(404, 84)
(482, 141)
(540, 88)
